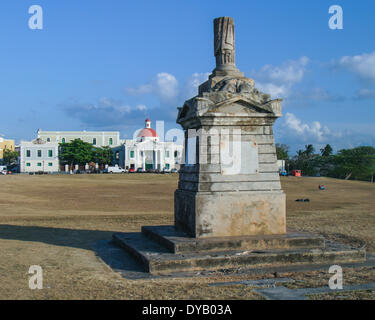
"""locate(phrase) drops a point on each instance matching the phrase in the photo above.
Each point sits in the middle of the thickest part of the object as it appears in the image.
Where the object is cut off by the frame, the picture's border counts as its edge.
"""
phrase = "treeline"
(357, 163)
(80, 152)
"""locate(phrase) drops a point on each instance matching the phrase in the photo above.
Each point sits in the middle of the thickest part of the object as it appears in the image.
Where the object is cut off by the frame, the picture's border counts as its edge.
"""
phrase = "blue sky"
(106, 65)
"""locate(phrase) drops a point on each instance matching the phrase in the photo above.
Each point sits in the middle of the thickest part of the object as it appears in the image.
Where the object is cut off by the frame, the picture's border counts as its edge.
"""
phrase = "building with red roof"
(148, 151)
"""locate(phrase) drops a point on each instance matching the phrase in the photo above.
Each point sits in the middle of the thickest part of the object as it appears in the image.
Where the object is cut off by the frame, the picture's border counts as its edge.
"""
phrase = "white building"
(39, 156)
(148, 152)
(96, 138)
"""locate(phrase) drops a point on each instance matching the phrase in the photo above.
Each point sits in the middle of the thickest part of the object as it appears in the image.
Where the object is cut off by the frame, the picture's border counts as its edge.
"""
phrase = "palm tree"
(309, 150)
(326, 151)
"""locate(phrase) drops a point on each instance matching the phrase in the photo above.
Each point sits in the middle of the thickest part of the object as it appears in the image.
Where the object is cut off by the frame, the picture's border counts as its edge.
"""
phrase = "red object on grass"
(296, 173)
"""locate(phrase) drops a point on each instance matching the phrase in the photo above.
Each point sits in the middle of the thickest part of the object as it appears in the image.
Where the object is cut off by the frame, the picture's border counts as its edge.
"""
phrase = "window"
(39, 153)
(63, 140)
(110, 141)
(48, 139)
(50, 153)
(167, 165)
(167, 153)
(117, 155)
(94, 141)
(50, 164)
(27, 164)
(176, 154)
(28, 153)
(131, 154)
(39, 164)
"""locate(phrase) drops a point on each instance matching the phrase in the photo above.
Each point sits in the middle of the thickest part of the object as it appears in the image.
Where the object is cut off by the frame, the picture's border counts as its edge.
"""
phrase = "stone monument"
(230, 209)
(233, 120)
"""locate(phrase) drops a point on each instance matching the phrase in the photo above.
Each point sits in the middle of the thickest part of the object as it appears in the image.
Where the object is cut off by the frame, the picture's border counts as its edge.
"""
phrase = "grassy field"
(53, 221)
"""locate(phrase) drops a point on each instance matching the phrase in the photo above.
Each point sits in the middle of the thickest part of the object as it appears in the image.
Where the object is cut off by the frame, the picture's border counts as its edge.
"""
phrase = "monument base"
(229, 214)
(163, 250)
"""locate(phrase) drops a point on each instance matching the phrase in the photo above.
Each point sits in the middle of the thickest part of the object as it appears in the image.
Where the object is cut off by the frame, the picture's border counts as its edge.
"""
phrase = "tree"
(300, 154)
(76, 152)
(282, 151)
(103, 155)
(309, 150)
(306, 161)
(10, 157)
(357, 163)
(326, 151)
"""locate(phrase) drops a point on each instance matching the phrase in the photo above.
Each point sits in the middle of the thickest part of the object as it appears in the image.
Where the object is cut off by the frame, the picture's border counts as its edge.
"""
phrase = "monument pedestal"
(164, 250)
(225, 214)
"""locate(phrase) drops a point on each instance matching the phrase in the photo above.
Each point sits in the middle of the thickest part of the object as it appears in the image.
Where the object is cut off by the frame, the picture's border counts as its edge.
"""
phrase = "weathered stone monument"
(235, 190)
(230, 209)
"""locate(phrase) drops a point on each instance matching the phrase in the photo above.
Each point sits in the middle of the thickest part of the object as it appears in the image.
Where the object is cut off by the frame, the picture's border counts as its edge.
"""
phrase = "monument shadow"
(98, 241)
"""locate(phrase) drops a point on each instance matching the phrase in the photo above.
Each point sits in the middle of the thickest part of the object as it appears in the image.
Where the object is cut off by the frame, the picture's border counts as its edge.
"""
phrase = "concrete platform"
(158, 259)
(178, 242)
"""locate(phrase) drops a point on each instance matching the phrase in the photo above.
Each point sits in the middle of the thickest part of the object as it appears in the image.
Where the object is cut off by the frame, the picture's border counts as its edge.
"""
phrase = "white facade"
(152, 155)
(148, 152)
(39, 156)
(96, 138)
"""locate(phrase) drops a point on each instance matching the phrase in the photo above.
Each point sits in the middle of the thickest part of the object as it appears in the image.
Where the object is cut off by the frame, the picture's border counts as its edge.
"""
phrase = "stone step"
(178, 242)
(156, 259)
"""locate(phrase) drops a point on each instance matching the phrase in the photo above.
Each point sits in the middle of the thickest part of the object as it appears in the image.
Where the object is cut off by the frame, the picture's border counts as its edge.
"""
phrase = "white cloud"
(296, 133)
(110, 113)
(314, 131)
(291, 71)
(164, 85)
(276, 91)
(362, 65)
(278, 80)
(192, 83)
(141, 107)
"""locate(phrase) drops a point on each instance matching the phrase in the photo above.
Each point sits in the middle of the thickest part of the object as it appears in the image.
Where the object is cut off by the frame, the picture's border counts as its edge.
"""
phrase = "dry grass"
(345, 211)
(345, 295)
(53, 221)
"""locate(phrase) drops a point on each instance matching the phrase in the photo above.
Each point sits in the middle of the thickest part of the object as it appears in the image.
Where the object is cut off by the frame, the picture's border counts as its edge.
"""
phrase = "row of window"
(110, 141)
(39, 153)
(93, 141)
(166, 154)
(39, 164)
